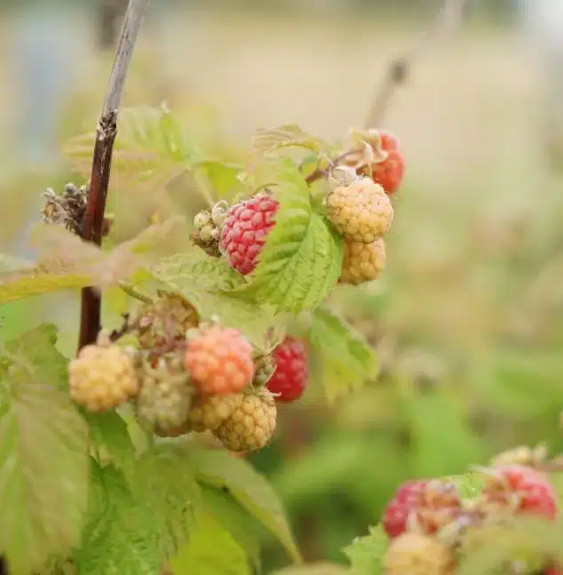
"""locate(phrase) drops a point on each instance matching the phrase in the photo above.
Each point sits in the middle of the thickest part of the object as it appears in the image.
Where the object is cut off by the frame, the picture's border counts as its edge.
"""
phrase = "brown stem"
(90, 317)
(448, 18)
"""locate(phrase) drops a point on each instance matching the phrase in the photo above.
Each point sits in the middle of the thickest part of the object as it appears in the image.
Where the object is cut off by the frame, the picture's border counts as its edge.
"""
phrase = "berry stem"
(319, 173)
(92, 230)
(448, 19)
(135, 294)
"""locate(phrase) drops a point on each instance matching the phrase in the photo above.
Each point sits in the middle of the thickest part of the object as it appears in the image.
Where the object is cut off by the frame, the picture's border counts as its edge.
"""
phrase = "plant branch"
(92, 230)
(448, 19)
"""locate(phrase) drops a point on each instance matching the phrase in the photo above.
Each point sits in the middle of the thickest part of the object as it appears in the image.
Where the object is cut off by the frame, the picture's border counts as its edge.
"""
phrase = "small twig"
(117, 334)
(90, 317)
(447, 20)
(132, 292)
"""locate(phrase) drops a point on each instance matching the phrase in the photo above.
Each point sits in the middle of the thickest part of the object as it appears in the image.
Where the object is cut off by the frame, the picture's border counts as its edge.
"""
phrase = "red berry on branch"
(291, 373)
(245, 229)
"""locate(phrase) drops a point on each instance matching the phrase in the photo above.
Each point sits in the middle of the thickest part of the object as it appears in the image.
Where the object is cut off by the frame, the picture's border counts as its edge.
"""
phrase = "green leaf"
(288, 135)
(366, 553)
(121, 536)
(223, 178)
(167, 483)
(469, 485)
(212, 550)
(314, 569)
(206, 282)
(219, 469)
(235, 519)
(302, 258)
(110, 435)
(38, 348)
(43, 458)
(345, 359)
(37, 281)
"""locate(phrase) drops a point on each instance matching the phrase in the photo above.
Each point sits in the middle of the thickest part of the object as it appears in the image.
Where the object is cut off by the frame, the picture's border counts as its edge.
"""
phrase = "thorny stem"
(448, 19)
(90, 317)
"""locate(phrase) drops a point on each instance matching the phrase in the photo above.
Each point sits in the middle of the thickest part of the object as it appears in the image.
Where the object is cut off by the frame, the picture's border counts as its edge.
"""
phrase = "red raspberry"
(554, 569)
(429, 503)
(525, 488)
(245, 229)
(219, 361)
(291, 372)
(389, 173)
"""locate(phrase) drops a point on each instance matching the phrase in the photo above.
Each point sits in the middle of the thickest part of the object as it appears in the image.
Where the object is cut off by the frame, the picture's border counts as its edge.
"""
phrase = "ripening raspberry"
(219, 361)
(553, 569)
(209, 414)
(521, 488)
(429, 504)
(360, 211)
(418, 554)
(389, 173)
(251, 425)
(245, 229)
(102, 377)
(291, 373)
(362, 262)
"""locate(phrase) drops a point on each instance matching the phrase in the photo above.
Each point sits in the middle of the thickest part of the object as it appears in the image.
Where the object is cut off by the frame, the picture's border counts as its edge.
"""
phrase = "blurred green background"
(468, 319)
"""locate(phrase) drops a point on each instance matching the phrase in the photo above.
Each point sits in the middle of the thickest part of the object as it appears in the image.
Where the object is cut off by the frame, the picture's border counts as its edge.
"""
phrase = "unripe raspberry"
(291, 372)
(210, 413)
(362, 262)
(423, 505)
(360, 211)
(264, 367)
(219, 361)
(417, 554)
(102, 377)
(165, 320)
(164, 399)
(245, 229)
(520, 489)
(250, 426)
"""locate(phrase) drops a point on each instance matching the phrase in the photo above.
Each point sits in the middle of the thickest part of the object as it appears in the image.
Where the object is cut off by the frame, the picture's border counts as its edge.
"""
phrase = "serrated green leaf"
(366, 553)
(288, 135)
(314, 569)
(302, 258)
(167, 483)
(212, 550)
(219, 469)
(38, 348)
(235, 519)
(42, 510)
(345, 358)
(109, 433)
(206, 282)
(121, 536)
(531, 541)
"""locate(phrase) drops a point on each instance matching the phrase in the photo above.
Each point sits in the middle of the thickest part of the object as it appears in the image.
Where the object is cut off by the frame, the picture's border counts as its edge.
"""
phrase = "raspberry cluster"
(429, 524)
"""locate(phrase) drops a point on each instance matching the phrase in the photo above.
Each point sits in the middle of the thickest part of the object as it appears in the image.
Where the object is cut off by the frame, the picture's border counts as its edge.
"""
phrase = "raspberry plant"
(120, 459)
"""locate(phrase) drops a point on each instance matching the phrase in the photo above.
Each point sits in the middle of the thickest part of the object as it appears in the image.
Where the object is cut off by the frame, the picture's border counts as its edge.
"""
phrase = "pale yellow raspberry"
(362, 262)
(251, 425)
(360, 211)
(417, 554)
(102, 377)
(212, 412)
